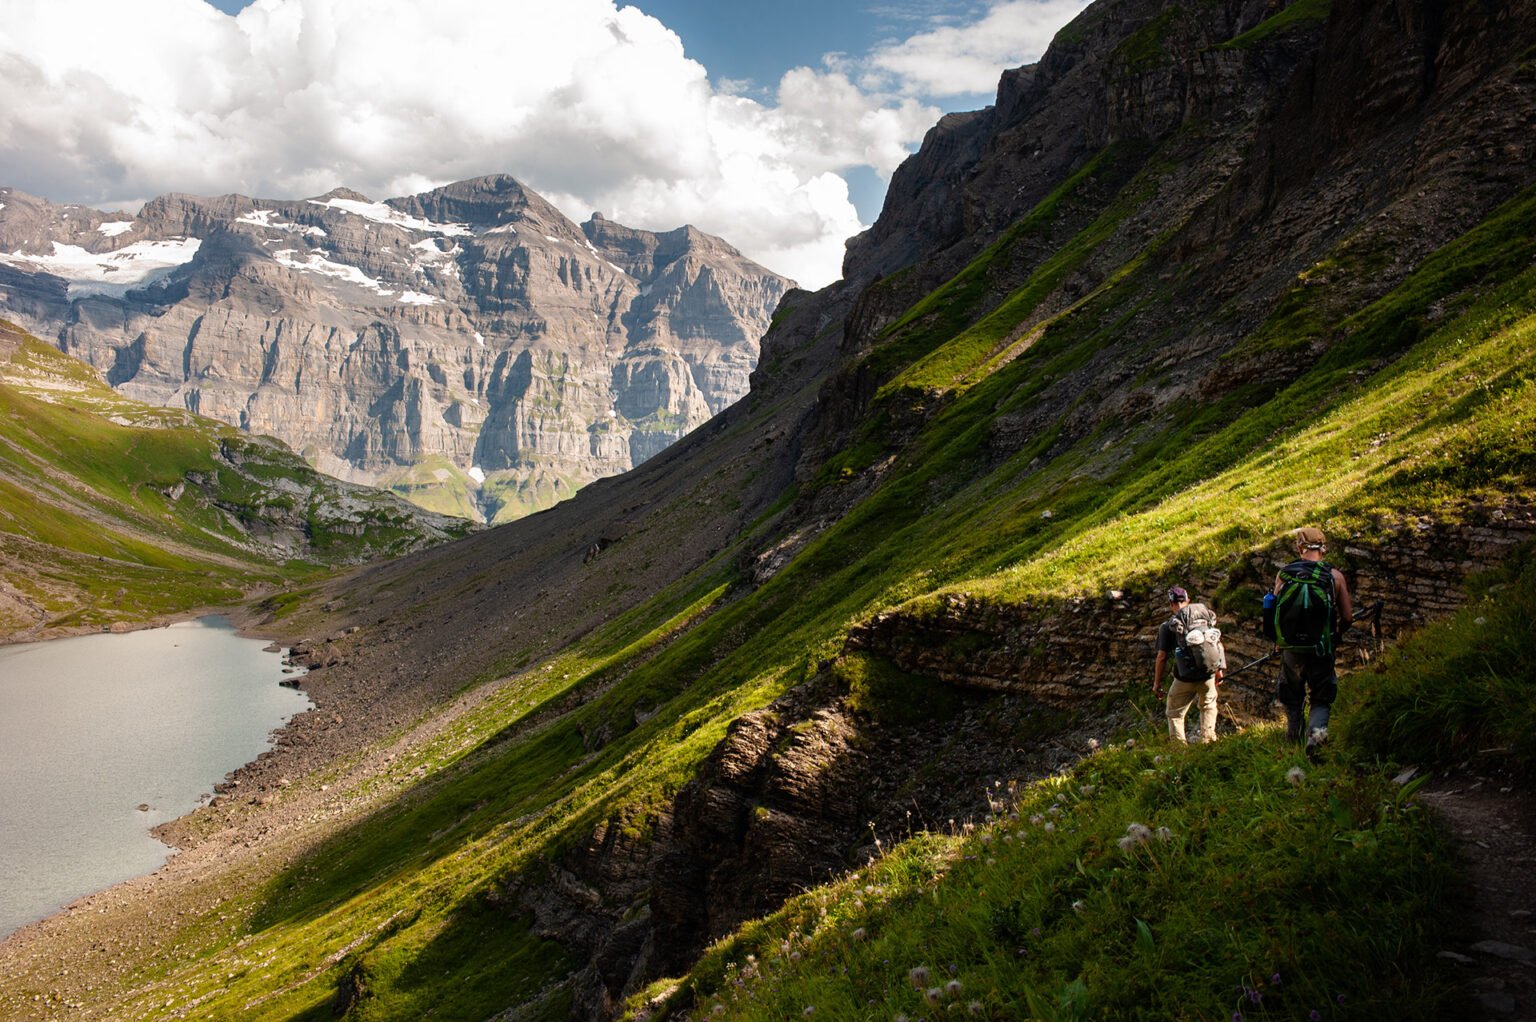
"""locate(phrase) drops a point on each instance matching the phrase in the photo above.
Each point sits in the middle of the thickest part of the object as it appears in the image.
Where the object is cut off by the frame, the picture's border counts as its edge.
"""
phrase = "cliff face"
(470, 347)
(1223, 163)
(1188, 284)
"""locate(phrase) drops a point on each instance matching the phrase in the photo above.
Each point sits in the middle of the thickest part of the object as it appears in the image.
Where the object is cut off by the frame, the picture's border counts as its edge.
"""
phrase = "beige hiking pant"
(1180, 695)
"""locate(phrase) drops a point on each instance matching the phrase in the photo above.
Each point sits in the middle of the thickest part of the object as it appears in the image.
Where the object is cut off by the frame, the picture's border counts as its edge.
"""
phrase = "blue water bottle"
(1267, 619)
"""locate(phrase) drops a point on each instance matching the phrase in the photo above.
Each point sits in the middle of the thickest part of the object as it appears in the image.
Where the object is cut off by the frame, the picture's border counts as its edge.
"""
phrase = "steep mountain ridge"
(470, 346)
(924, 555)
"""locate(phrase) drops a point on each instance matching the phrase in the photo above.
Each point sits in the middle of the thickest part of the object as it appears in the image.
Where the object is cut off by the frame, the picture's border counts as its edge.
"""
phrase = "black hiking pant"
(1304, 674)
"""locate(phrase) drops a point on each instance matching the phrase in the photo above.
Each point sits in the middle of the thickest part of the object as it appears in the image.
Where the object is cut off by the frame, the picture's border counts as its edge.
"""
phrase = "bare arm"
(1157, 673)
(1341, 595)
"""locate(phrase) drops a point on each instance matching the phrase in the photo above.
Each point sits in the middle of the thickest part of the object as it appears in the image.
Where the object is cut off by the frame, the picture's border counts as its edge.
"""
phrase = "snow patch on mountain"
(383, 213)
(109, 273)
(263, 218)
(316, 263)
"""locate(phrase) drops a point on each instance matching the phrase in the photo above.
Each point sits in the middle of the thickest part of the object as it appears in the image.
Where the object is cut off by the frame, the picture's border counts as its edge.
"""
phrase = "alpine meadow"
(840, 706)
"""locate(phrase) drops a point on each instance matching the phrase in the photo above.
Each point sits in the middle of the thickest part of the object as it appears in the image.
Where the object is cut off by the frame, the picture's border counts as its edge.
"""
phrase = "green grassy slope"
(362, 918)
(986, 465)
(113, 511)
(1228, 881)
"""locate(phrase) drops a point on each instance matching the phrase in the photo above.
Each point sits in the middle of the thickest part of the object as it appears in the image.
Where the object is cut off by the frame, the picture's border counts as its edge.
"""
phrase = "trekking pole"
(1252, 663)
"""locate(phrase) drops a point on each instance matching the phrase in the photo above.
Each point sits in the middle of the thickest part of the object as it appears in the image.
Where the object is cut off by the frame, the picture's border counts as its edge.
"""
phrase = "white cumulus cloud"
(953, 60)
(593, 104)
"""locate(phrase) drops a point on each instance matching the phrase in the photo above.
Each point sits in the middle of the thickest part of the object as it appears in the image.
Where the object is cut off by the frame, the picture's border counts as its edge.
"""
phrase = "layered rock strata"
(470, 347)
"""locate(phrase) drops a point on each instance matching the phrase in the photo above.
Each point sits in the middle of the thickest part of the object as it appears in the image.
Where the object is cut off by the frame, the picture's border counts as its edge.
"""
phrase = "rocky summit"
(839, 708)
(470, 347)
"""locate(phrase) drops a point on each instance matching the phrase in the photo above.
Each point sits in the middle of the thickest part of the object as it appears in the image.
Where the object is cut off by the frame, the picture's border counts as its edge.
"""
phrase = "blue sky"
(775, 126)
(758, 43)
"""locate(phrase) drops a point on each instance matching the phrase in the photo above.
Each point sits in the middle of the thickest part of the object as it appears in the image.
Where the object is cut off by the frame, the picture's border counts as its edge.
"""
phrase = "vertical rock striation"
(470, 347)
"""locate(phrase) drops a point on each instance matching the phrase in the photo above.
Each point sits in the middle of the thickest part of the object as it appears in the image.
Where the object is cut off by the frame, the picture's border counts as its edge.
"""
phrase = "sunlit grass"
(1147, 882)
(1403, 415)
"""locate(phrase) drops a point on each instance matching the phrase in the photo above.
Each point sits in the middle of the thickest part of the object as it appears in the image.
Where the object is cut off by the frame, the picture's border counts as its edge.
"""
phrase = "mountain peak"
(496, 329)
(342, 193)
(488, 202)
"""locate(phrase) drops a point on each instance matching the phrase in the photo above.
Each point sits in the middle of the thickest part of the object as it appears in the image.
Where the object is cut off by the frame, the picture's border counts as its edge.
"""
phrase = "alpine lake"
(102, 737)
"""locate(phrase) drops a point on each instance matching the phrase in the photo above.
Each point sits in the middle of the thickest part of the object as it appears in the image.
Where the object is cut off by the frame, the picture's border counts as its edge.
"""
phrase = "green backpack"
(1304, 608)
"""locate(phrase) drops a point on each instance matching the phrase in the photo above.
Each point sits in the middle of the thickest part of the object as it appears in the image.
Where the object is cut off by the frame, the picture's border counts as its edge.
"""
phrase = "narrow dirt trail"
(1494, 820)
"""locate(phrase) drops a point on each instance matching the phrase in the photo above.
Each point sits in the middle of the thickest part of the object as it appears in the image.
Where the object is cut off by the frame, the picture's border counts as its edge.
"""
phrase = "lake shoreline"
(87, 777)
(248, 622)
(326, 768)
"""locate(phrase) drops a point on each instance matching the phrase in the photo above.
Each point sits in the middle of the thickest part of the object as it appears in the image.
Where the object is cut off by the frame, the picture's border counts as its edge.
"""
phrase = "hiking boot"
(1315, 742)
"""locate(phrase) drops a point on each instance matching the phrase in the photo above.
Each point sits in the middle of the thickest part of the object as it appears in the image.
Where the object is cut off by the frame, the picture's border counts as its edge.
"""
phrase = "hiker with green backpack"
(1191, 637)
(1305, 614)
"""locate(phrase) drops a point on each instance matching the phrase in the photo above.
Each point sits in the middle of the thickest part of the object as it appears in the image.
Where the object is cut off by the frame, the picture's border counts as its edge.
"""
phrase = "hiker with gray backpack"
(1191, 637)
(1305, 614)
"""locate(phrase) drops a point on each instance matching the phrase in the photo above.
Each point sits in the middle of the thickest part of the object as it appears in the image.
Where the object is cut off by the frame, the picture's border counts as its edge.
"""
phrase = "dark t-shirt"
(1167, 639)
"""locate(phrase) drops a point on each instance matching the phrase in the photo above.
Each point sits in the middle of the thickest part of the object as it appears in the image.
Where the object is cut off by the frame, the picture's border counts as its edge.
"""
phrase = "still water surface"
(93, 727)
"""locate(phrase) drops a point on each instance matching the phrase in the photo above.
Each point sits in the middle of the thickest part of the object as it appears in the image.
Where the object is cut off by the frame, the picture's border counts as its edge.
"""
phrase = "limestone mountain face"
(470, 347)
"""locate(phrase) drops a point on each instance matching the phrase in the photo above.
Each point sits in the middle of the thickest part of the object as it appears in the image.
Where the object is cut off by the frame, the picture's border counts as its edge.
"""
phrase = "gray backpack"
(1197, 650)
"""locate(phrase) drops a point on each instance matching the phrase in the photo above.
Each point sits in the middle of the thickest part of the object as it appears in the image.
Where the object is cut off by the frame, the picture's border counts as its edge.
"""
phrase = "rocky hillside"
(470, 347)
(1205, 273)
(114, 513)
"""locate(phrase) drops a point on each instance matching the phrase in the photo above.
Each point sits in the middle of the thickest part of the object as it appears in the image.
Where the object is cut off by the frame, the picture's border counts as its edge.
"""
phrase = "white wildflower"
(1295, 775)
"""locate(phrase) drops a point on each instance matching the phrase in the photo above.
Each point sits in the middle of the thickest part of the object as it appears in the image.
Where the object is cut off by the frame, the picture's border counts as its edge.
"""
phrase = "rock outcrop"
(470, 347)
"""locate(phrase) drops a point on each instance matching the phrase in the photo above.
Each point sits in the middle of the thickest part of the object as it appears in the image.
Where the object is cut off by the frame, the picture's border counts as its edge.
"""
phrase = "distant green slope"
(1357, 405)
(509, 784)
(113, 511)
